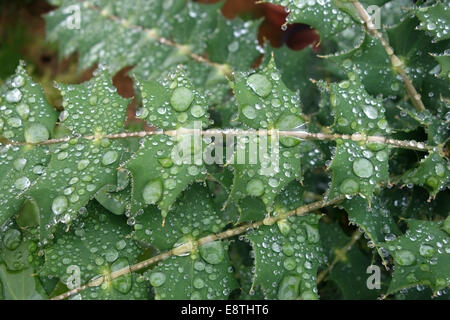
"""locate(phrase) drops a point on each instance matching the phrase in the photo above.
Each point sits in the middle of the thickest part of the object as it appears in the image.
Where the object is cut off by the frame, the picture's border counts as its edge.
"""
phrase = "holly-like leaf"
(265, 102)
(25, 117)
(432, 173)
(165, 165)
(375, 218)
(350, 272)
(20, 285)
(421, 256)
(80, 167)
(357, 167)
(435, 19)
(96, 245)
(372, 64)
(205, 272)
(414, 48)
(287, 255)
(329, 17)
(444, 62)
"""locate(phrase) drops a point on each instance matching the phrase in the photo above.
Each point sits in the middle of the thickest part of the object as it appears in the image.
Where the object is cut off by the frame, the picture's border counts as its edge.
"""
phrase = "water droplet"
(288, 122)
(370, 111)
(82, 164)
(181, 99)
(260, 84)
(289, 287)
(284, 226)
(382, 155)
(19, 164)
(405, 257)
(165, 162)
(233, 46)
(289, 264)
(197, 111)
(212, 252)
(313, 234)
(23, 110)
(22, 183)
(349, 186)
(36, 133)
(426, 250)
(123, 283)
(157, 279)
(255, 188)
(111, 255)
(249, 112)
(12, 239)
(363, 168)
(59, 205)
(13, 96)
(152, 191)
(109, 157)
(198, 283)
(18, 81)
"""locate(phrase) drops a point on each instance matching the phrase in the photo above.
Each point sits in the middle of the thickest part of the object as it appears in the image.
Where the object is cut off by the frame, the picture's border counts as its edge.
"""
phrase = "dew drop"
(255, 188)
(289, 287)
(260, 84)
(181, 99)
(59, 205)
(36, 133)
(109, 157)
(152, 191)
(363, 168)
(212, 252)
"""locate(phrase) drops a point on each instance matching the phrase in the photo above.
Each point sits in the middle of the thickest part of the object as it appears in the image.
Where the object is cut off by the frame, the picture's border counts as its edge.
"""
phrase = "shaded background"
(22, 37)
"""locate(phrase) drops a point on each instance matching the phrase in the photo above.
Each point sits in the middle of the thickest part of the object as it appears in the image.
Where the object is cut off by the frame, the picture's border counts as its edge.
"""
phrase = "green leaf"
(204, 273)
(374, 218)
(192, 216)
(80, 167)
(165, 165)
(372, 64)
(444, 61)
(357, 167)
(96, 244)
(329, 17)
(352, 265)
(435, 19)
(265, 102)
(421, 257)
(432, 173)
(414, 48)
(234, 42)
(20, 285)
(287, 255)
(25, 116)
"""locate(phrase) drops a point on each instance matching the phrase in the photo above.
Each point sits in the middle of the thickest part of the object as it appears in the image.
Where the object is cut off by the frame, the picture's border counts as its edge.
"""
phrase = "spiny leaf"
(433, 174)
(96, 245)
(329, 17)
(349, 273)
(192, 216)
(25, 116)
(287, 255)
(357, 167)
(164, 165)
(372, 64)
(444, 61)
(421, 256)
(20, 285)
(414, 47)
(234, 42)
(80, 167)
(129, 32)
(375, 218)
(204, 273)
(265, 102)
(435, 19)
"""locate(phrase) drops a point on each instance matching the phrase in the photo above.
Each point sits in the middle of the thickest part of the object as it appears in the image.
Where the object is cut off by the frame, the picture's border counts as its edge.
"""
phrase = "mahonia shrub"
(355, 207)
